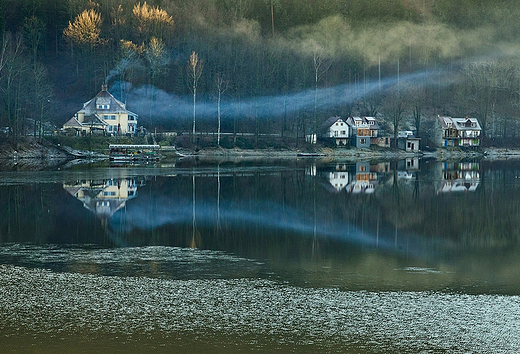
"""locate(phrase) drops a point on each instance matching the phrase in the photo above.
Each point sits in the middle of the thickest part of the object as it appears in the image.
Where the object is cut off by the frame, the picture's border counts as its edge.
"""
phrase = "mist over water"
(180, 212)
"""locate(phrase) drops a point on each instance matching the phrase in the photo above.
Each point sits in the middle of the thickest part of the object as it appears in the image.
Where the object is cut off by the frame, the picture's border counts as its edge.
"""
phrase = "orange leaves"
(85, 29)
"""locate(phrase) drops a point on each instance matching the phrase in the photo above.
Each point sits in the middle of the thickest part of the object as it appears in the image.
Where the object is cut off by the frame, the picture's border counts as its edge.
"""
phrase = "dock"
(133, 153)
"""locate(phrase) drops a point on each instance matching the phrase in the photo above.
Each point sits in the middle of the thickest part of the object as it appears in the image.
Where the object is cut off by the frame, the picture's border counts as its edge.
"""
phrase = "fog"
(159, 103)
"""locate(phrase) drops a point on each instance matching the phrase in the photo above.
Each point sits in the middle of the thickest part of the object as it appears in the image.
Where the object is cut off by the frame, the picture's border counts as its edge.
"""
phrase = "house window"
(335, 133)
(363, 141)
(343, 132)
(131, 118)
(362, 168)
(110, 117)
(103, 106)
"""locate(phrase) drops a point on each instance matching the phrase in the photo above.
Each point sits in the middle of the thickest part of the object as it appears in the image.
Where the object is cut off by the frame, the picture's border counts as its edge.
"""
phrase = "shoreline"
(39, 155)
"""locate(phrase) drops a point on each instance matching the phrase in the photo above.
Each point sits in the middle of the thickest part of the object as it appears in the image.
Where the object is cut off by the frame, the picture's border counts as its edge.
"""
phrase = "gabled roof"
(104, 98)
(460, 123)
(93, 119)
(370, 121)
(73, 123)
(329, 122)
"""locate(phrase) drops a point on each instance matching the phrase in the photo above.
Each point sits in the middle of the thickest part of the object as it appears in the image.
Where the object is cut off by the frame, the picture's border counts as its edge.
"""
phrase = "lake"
(297, 255)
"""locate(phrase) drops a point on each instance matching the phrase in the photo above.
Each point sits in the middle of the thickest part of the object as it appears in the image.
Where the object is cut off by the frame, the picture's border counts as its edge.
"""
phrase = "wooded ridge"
(263, 66)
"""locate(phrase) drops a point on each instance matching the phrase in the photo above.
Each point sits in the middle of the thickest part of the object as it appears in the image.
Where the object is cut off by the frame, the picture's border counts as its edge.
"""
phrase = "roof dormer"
(103, 103)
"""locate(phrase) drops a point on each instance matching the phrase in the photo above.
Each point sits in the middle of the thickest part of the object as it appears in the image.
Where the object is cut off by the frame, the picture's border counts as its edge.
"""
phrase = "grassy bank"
(93, 143)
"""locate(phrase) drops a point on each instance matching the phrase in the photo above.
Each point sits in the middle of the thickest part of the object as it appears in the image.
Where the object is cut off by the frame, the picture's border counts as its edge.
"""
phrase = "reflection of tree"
(195, 240)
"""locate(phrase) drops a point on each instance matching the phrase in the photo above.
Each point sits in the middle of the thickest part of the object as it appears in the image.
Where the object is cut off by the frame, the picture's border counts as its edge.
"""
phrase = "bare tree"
(41, 94)
(12, 66)
(417, 99)
(321, 65)
(221, 85)
(34, 29)
(272, 4)
(194, 73)
(238, 8)
(486, 80)
(395, 105)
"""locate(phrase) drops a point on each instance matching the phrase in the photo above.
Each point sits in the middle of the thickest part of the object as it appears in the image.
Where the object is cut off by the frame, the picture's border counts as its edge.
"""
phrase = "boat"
(311, 154)
(133, 153)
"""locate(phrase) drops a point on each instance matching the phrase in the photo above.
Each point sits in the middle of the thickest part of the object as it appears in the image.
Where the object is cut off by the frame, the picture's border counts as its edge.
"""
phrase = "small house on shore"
(407, 141)
(360, 132)
(463, 132)
(364, 131)
(104, 115)
(336, 128)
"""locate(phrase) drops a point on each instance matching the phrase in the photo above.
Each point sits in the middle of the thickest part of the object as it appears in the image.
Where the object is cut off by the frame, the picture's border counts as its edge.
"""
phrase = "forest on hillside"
(263, 66)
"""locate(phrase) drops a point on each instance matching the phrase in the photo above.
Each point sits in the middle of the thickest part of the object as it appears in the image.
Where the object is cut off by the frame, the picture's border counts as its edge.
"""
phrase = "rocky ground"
(31, 154)
(30, 148)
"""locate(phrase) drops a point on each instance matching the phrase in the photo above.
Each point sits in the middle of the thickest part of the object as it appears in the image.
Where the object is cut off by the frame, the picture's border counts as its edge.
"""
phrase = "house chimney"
(104, 87)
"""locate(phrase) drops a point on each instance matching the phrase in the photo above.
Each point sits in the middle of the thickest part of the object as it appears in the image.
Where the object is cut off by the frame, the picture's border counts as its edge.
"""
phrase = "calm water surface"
(412, 256)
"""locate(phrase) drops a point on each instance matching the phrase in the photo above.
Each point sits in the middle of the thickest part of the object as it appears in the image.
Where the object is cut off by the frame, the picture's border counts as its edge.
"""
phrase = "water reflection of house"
(408, 164)
(105, 197)
(365, 181)
(360, 177)
(460, 177)
(339, 178)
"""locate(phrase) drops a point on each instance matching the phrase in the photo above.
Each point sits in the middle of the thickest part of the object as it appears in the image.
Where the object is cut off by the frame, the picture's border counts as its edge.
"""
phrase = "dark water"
(412, 256)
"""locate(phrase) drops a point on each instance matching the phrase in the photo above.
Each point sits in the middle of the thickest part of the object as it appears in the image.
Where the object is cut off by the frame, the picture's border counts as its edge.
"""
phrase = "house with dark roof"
(103, 114)
(335, 128)
(465, 132)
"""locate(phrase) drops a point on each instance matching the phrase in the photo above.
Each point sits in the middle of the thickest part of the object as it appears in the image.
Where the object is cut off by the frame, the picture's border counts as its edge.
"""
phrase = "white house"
(103, 114)
(336, 128)
(458, 132)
